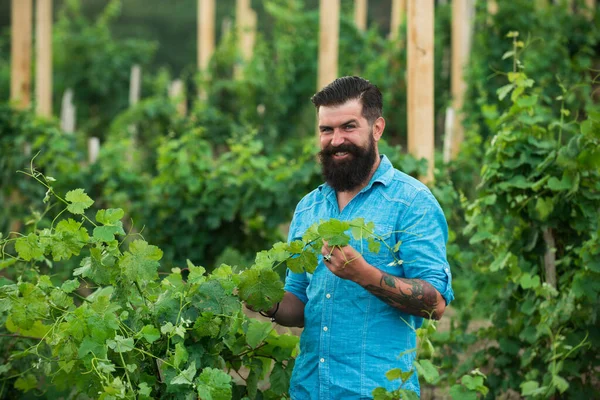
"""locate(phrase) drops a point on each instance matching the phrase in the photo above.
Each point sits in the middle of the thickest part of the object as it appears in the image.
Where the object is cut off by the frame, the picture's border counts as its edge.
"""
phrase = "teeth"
(341, 153)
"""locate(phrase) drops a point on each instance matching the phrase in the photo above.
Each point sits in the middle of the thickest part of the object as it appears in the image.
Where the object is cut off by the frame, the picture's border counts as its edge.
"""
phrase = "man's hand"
(413, 296)
(344, 262)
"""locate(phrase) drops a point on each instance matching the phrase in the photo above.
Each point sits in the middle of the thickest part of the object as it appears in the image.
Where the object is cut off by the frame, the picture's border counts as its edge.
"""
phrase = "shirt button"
(325, 328)
(328, 295)
(322, 360)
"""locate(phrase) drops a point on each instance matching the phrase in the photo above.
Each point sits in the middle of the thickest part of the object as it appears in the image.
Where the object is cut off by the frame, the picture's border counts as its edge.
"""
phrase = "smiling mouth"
(341, 154)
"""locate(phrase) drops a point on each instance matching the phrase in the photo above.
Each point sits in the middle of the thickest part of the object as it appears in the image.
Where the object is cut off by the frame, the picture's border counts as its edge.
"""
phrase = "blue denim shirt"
(351, 338)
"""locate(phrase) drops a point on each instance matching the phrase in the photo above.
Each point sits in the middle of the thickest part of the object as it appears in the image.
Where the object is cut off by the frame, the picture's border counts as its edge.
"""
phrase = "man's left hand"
(345, 262)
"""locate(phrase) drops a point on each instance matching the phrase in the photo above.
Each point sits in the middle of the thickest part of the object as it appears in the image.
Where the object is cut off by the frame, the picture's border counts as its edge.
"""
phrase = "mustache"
(344, 148)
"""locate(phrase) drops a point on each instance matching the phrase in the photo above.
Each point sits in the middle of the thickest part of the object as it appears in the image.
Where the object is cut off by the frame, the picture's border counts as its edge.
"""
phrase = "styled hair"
(349, 88)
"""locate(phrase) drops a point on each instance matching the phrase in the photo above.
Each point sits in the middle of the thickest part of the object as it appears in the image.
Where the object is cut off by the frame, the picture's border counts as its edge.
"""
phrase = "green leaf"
(214, 384)
(140, 263)
(88, 345)
(333, 232)
(396, 247)
(150, 333)
(26, 383)
(120, 344)
(544, 207)
(280, 377)
(505, 90)
(557, 186)
(261, 289)
(257, 332)
(196, 273)
(307, 260)
(79, 201)
(181, 355)
(458, 392)
(110, 216)
(393, 374)
(561, 383)
(427, 370)
(107, 233)
(28, 247)
(186, 377)
(70, 285)
(144, 389)
(529, 282)
(472, 382)
(374, 245)
(529, 388)
(527, 101)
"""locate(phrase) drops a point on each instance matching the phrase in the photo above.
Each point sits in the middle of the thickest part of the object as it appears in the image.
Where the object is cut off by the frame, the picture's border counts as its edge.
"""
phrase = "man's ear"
(378, 128)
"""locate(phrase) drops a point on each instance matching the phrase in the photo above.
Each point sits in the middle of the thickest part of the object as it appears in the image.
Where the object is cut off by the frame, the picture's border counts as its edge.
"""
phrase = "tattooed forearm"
(412, 296)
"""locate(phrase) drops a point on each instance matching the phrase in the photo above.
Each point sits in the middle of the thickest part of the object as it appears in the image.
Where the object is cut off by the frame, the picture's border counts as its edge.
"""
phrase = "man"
(359, 317)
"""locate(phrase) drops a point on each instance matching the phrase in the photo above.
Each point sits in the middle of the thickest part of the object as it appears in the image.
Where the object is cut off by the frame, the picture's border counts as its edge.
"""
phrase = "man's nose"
(338, 137)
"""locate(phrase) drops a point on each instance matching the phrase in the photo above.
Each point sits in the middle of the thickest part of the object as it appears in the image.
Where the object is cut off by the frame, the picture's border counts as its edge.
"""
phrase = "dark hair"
(349, 88)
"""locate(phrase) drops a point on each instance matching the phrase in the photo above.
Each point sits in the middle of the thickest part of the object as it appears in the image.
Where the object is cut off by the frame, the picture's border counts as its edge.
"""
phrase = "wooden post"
(329, 31)
(67, 112)
(245, 20)
(20, 66)
(492, 7)
(43, 69)
(206, 35)
(360, 14)
(93, 149)
(135, 83)
(398, 10)
(177, 93)
(460, 38)
(420, 82)
(591, 8)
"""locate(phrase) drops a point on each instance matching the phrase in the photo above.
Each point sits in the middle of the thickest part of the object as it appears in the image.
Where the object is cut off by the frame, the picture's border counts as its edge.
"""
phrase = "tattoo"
(412, 296)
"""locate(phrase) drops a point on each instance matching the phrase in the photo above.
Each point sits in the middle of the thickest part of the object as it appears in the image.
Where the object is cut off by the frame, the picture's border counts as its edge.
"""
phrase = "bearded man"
(360, 317)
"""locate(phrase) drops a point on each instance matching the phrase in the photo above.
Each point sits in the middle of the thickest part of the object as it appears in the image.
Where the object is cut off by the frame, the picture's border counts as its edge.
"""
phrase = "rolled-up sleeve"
(424, 233)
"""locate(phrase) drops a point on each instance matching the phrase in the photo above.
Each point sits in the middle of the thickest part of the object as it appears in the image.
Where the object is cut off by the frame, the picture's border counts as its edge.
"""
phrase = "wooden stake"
(329, 30)
(245, 20)
(360, 14)
(67, 112)
(420, 82)
(93, 149)
(460, 44)
(20, 68)
(177, 93)
(206, 35)
(43, 69)
(492, 7)
(135, 83)
(398, 10)
(591, 8)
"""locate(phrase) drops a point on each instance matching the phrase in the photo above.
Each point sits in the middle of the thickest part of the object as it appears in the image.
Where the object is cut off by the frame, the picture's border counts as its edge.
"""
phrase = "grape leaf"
(70, 285)
(181, 355)
(280, 377)
(333, 232)
(110, 216)
(79, 201)
(150, 333)
(214, 384)
(306, 261)
(186, 377)
(28, 247)
(107, 233)
(120, 344)
(140, 263)
(196, 273)
(426, 369)
(260, 288)
(26, 383)
(374, 245)
(257, 332)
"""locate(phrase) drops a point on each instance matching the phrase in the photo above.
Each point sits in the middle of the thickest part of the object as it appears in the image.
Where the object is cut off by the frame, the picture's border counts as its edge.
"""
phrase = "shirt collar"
(384, 175)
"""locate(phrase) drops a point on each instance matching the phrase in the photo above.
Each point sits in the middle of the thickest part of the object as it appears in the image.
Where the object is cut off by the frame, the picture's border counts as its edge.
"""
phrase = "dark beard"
(345, 175)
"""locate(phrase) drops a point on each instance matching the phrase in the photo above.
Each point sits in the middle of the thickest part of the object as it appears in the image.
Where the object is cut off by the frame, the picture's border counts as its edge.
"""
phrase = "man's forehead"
(341, 113)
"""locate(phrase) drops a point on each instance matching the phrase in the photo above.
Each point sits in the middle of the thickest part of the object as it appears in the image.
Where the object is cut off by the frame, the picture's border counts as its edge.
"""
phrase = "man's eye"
(350, 127)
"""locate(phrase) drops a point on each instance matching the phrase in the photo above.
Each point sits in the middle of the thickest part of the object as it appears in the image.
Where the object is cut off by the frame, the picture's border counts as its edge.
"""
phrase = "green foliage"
(533, 224)
(126, 333)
